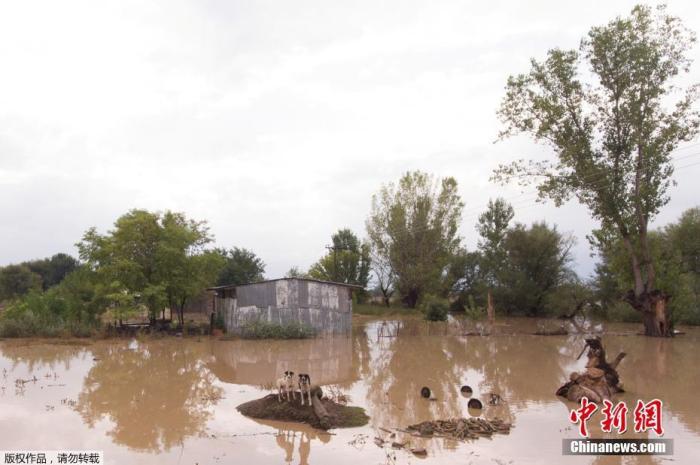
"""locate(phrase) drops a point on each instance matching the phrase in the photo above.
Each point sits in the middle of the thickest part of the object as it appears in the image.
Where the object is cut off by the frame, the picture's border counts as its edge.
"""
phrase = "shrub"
(380, 310)
(46, 314)
(265, 330)
(434, 308)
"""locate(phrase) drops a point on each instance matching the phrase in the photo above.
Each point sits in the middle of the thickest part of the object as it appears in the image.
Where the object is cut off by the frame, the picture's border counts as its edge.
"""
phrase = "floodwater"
(174, 400)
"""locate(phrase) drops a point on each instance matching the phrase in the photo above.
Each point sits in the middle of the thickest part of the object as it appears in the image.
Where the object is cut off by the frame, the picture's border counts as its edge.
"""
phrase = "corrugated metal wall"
(322, 306)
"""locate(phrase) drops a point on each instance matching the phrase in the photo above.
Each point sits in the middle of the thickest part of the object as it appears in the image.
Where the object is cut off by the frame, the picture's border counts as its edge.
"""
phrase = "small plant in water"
(265, 330)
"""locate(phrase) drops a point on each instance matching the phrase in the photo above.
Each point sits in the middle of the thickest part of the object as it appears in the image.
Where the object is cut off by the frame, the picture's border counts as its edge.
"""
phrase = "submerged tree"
(413, 226)
(675, 250)
(612, 136)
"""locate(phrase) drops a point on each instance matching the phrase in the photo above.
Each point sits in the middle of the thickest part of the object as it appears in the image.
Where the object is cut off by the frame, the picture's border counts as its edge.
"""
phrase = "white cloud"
(275, 121)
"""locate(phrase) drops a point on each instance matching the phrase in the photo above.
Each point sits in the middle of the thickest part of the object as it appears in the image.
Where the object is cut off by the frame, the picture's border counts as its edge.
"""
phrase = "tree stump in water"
(600, 380)
(319, 410)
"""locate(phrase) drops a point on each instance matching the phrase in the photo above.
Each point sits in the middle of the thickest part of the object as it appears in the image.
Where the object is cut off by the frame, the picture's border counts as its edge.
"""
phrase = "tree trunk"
(320, 411)
(411, 298)
(489, 308)
(655, 313)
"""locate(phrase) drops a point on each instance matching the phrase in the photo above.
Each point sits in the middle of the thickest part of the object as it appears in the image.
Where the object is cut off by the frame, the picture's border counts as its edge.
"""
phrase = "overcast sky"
(275, 121)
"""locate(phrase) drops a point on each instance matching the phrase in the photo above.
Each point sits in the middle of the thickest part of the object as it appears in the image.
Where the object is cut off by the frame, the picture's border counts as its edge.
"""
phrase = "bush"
(265, 330)
(45, 314)
(381, 310)
(434, 308)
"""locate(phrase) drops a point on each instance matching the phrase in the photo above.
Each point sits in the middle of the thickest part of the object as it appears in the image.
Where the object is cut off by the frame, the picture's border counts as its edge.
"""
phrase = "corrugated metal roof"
(233, 286)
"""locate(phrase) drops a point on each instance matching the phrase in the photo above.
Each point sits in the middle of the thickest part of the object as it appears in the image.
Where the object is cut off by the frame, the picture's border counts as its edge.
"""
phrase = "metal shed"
(323, 305)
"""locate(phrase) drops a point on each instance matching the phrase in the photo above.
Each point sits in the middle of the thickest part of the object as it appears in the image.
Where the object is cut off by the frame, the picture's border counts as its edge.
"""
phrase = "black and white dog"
(285, 385)
(305, 386)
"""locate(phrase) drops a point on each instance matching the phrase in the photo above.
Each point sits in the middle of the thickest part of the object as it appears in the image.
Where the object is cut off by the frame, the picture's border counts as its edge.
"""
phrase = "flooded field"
(174, 400)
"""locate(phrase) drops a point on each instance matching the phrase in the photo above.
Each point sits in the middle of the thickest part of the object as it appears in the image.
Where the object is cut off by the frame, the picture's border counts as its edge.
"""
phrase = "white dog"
(285, 385)
(305, 386)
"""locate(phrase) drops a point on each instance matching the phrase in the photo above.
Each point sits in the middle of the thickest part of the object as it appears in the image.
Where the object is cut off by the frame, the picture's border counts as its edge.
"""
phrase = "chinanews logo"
(647, 417)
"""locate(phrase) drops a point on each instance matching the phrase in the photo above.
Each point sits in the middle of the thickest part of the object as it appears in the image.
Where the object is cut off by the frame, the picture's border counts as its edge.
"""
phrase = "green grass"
(352, 417)
(265, 330)
(381, 310)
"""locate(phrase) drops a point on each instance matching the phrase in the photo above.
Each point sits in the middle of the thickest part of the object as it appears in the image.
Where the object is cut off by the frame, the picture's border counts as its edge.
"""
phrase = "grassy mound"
(269, 408)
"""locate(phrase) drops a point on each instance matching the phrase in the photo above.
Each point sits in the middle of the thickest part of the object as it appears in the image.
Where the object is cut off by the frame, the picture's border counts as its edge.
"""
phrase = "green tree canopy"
(17, 280)
(493, 227)
(348, 261)
(537, 262)
(241, 266)
(612, 116)
(53, 269)
(413, 226)
(152, 259)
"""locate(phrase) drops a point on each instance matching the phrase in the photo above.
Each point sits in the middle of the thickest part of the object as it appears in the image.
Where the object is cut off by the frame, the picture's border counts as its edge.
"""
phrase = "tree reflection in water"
(291, 436)
(156, 394)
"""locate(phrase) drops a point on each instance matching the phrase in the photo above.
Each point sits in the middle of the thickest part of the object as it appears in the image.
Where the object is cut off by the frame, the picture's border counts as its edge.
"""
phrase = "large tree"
(152, 259)
(537, 262)
(185, 267)
(493, 227)
(612, 116)
(413, 226)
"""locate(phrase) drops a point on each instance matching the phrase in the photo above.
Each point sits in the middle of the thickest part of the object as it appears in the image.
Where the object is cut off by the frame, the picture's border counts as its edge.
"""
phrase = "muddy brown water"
(173, 400)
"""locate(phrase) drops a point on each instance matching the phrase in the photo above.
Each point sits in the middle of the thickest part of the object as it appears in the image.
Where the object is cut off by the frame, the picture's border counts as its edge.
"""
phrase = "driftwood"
(599, 382)
(461, 428)
(319, 410)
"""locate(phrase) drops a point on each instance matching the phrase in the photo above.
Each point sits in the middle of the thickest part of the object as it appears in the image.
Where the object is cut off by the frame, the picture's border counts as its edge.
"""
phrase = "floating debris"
(495, 399)
(22, 382)
(359, 441)
(461, 428)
